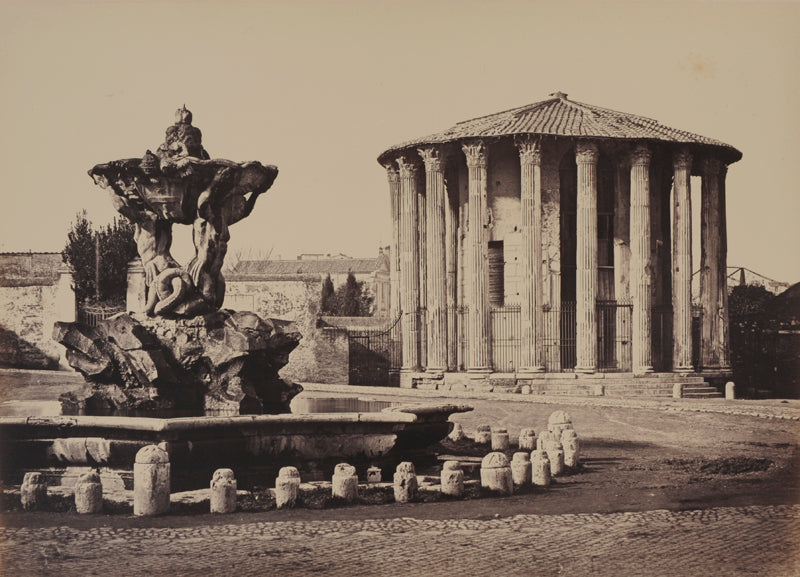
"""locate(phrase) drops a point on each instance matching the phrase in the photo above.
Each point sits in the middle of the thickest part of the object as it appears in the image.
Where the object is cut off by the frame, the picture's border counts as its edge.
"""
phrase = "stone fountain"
(185, 355)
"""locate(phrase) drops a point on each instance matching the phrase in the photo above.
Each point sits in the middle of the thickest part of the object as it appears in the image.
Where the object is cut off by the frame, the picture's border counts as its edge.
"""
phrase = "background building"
(557, 237)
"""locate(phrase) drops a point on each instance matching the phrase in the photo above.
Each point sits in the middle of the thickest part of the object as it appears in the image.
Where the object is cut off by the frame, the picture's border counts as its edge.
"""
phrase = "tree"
(352, 299)
(116, 249)
(327, 299)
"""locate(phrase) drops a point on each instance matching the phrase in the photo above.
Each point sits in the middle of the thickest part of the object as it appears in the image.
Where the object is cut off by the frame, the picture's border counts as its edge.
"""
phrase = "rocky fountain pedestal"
(223, 362)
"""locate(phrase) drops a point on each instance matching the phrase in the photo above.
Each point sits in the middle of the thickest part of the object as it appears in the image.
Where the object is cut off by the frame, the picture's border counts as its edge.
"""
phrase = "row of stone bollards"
(551, 453)
(539, 459)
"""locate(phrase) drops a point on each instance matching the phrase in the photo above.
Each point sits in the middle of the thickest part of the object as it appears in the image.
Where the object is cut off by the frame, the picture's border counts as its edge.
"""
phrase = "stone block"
(496, 474)
(223, 491)
(730, 391)
(500, 439)
(89, 494)
(33, 492)
(677, 391)
(527, 439)
(521, 469)
(540, 465)
(287, 487)
(405, 483)
(483, 434)
(151, 481)
(452, 479)
(345, 482)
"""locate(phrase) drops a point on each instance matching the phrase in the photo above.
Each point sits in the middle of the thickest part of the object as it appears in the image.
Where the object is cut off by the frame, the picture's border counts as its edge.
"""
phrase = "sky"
(321, 88)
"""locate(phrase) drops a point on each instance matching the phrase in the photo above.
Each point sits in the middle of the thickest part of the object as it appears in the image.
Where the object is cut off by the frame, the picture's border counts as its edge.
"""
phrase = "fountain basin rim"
(189, 423)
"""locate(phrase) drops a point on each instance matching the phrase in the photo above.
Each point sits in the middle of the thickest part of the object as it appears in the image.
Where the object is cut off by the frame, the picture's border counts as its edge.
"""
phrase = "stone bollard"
(345, 482)
(374, 475)
(457, 434)
(483, 434)
(571, 454)
(545, 439)
(89, 494)
(496, 474)
(525, 390)
(452, 479)
(558, 421)
(500, 439)
(521, 472)
(556, 455)
(33, 492)
(287, 486)
(540, 465)
(405, 483)
(527, 440)
(151, 477)
(677, 391)
(223, 491)
(730, 391)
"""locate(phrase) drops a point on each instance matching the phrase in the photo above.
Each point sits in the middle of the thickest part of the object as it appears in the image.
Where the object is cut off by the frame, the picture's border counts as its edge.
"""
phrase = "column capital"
(409, 166)
(641, 155)
(476, 153)
(392, 172)
(711, 166)
(530, 151)
(682, 159)
(586, 152)
(434, 158)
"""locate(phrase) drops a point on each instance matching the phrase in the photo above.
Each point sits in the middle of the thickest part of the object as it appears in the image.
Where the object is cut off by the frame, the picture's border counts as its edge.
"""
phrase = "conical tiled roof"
(559, 116)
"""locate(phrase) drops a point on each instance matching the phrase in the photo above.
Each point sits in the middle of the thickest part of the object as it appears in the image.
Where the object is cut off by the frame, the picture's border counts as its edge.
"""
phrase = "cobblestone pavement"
(722, 541)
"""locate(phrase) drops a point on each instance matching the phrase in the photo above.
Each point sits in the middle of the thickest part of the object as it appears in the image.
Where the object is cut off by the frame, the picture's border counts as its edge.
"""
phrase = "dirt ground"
(633, 460)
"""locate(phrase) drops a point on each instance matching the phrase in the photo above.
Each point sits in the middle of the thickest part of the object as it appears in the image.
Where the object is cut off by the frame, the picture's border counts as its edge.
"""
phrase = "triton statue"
(180, 183)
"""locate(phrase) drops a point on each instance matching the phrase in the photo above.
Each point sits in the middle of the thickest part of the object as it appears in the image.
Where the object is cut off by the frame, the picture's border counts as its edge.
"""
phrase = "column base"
(479, 372)
(529, 372)
(586, 370)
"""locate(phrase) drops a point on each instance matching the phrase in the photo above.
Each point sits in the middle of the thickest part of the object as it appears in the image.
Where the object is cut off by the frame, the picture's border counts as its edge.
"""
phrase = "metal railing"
(90, 315)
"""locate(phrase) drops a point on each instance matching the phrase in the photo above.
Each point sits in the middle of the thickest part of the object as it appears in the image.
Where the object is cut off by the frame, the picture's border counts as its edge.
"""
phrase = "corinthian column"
(451, 258)
(682, 262)
(422, 242)
(530, 158)
(477, 269)
(622, 260)
(586, 156)
(709, 264)
(641, 271)
(724, 329)
(436, 264)
(409, 262)
(394, 265)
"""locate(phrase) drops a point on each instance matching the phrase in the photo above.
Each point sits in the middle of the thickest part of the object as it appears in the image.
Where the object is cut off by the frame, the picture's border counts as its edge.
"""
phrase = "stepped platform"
(617, 385)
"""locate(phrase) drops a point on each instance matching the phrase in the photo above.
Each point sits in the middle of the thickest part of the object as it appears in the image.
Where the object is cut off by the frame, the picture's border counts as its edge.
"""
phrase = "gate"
(373, 352)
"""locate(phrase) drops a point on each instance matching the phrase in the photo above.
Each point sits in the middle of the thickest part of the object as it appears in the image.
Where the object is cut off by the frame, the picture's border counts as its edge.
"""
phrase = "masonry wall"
(322, 355)
(27, 314)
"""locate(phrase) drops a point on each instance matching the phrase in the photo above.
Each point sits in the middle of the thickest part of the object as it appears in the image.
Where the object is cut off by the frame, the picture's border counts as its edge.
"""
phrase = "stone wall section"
(27, 314)
(322, 355)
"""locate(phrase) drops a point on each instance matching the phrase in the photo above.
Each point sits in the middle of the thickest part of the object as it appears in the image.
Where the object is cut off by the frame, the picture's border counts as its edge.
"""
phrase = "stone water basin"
(197, 445)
